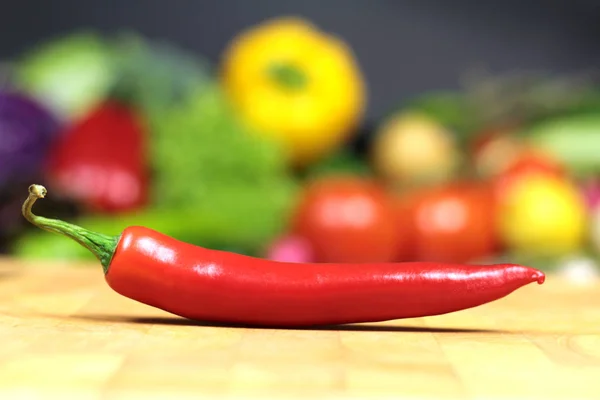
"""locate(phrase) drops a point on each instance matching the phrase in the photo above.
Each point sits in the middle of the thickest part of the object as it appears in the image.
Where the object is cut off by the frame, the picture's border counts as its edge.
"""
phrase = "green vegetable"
(237, 182)
(155, 74)
(574, 140)
(69, 74)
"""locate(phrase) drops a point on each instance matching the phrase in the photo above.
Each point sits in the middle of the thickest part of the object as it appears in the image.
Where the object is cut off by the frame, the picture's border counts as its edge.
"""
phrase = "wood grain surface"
(66, 335)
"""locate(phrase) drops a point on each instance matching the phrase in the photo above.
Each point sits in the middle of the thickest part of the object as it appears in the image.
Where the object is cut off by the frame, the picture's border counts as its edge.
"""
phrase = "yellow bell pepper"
(296, 84)
(543, 216)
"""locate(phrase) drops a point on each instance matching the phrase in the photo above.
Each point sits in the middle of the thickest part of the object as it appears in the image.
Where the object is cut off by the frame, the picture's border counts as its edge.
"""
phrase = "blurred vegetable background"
(268, 152)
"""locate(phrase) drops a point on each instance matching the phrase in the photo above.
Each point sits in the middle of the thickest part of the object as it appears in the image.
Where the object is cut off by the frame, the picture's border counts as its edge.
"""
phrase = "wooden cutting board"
(66, 335)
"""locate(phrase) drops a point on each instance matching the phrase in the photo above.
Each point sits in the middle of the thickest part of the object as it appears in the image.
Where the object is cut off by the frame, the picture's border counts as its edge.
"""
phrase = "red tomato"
(451, 223)
(347, 219)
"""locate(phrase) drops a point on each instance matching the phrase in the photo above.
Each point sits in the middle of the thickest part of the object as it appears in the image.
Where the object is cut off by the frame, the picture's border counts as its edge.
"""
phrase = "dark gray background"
(404, 47)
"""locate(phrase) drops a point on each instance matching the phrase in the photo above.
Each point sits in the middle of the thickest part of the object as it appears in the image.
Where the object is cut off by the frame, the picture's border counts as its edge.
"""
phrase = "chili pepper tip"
(38, 191)
(539, 277)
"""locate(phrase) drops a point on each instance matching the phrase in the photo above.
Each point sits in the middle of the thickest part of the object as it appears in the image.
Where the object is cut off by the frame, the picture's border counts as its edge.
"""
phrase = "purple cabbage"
(27, 130)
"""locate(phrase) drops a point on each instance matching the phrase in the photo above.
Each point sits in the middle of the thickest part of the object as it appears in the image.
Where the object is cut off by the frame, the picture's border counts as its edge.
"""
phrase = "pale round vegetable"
(497, 154)
(411, 148)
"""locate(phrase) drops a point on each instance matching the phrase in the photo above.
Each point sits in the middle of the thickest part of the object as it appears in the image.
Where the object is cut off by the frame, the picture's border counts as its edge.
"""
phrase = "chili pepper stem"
(102, 246)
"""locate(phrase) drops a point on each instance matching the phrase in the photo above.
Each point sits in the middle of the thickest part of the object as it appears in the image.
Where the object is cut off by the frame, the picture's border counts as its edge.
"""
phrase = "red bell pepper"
(100, 161)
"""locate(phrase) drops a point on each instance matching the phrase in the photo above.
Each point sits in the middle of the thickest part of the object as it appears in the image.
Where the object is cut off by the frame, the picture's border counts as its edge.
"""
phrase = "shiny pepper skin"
(210, 285)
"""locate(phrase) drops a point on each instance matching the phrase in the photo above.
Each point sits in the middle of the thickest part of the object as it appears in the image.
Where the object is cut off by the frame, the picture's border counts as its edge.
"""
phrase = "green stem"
(102, 246)
(288, 76)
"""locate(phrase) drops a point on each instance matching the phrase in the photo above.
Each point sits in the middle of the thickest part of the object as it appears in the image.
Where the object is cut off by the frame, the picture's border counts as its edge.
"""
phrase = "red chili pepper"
(101, 161)
(210, 285)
